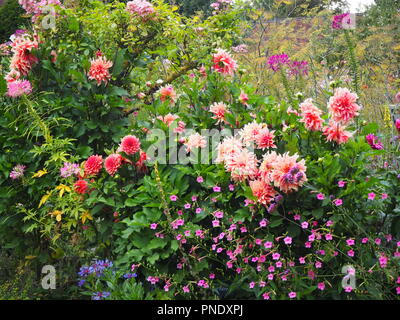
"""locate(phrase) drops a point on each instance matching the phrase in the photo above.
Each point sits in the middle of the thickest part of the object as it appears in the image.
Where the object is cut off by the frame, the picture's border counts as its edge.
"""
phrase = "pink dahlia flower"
(218, 109)
(224, 63)
(288, 174)
(195, 141)
(264, 192)
(342, 106)
(265, 139)
(242, 166)
(168, 119)
(337, 133)
(168, 93)
(81, 186)
(93, 165)
(251, 131)
(267, 165)
(113, 163)
(18, 88)
(99, 70)
(23, 59)
(12, 75)
(311, 116)
(130, 145)
(229, 147)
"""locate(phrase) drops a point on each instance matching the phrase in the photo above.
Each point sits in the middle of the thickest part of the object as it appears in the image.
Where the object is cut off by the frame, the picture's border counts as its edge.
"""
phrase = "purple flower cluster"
(69, 169)
(295, 67)
(97, 268)
(298, 67)
(17, 172)
(277, 61)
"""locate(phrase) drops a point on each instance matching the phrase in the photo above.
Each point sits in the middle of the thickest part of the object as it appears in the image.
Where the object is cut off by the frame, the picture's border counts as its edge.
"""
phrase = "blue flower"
(130, 275)
(81, 283)
(100, 295)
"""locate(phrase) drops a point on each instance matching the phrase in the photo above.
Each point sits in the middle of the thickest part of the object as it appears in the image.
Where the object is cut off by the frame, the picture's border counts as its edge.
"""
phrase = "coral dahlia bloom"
(93, 165)
(311, 116)
(250, 131)
(267, 165)
(12, 75)
(265, 139)
(99, 70)
(242, 166)
(218, 109)
(342, 106)
(168, 119)
(263, 191)
(18, 88)
(81, 186)
(168, 93)
(195, 141)
(224, 63)
(23, 59)
(288, 174)
(337, 133)
(113, 163)
(130, 145)
(229, 147)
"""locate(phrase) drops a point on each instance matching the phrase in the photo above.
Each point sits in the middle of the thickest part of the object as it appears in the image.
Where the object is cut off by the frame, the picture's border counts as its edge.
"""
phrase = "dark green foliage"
(11, 19)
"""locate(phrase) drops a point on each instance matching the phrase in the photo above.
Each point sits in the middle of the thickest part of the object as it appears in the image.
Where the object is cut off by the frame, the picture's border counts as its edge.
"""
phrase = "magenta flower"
(341, 184)
(173, 198)
(276, 256)
(217, 189)
(371, 196)
(374, 142)
(342, 19)
(321, 286)
(292, 295)
(153, 226)
(348, 289)
(288, 240)
(320, 196)
(18, 88)
(200, 179)
(338, 202)
(277, 61)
